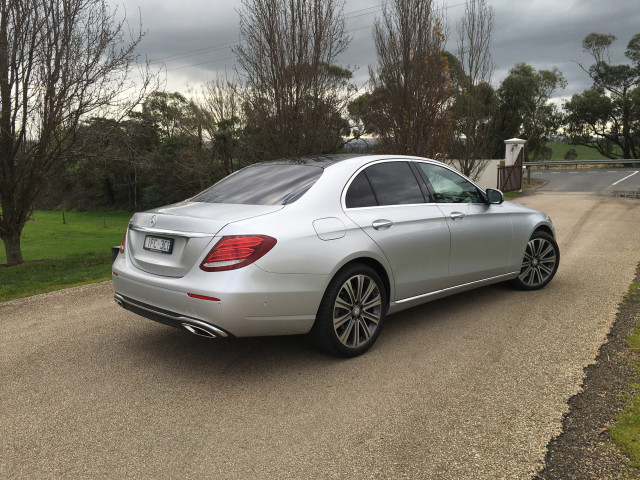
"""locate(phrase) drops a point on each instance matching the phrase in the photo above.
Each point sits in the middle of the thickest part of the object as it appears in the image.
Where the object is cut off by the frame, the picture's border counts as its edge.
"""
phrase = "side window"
(360, 193)
(448, 186)
(394, 183)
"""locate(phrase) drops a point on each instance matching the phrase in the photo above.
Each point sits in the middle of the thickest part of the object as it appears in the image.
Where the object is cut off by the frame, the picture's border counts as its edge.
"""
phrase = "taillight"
(124, 239)
(236, 251)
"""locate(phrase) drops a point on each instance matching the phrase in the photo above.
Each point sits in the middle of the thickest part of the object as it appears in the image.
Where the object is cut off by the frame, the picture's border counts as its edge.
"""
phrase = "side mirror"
(494, 196)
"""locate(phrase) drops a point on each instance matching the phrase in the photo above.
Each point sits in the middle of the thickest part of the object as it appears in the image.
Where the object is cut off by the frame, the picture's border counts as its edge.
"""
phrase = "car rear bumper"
(241, 303)
(173, 319)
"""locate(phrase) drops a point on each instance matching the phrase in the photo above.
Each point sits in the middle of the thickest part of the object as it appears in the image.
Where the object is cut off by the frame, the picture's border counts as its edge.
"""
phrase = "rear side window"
(273, 184)
(394, 183)
(360, 193)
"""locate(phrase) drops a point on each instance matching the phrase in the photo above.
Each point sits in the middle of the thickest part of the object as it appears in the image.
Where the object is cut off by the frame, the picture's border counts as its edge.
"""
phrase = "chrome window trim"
(343, 196)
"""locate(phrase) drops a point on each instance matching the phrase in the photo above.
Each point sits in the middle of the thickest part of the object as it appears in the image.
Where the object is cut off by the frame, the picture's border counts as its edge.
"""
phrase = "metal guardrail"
(551, 163)
(626, 194)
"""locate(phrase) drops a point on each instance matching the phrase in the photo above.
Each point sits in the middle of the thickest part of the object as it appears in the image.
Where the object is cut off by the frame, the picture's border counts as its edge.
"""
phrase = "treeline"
(77, 131)
(294, 100)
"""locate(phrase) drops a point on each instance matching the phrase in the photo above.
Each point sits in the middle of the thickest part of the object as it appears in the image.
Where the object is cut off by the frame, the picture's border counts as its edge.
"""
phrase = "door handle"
(457, 215)
(381, 224)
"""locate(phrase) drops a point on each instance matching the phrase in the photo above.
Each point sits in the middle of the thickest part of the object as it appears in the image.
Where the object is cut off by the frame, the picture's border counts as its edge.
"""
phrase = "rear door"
(389, 203)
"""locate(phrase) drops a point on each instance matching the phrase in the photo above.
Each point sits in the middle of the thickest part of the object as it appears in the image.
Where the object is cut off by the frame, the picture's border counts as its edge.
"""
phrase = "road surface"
(603, 181)
(473, 386)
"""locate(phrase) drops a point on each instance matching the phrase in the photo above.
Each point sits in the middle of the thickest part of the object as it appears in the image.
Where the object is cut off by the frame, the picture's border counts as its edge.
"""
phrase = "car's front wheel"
(540, 262)
(351, 313)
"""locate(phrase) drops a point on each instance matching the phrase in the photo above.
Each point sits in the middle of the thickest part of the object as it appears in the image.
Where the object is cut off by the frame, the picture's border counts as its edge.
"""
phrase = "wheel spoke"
(548, 260)
(539, 243)
(359, 287)
(371, 317)
(547, 251)
(371, 290)
(348, 288)
(526, 272)
(365, 330)
(547, 269)
(356, 333)
(340, 303)
(374, 302)
(340, 321)
(344, 337)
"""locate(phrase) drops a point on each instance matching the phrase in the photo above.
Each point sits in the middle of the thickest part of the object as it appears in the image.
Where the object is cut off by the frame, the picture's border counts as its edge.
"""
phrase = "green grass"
(584, 153)
(74, 253)
(626, 430)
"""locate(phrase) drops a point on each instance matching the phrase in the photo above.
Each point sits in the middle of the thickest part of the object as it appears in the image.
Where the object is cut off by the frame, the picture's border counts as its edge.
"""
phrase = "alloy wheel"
(539, 262)
(357, 311)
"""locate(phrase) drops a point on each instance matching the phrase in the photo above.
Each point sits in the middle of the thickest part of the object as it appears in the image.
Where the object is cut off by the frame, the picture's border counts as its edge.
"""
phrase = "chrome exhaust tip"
(197, 330)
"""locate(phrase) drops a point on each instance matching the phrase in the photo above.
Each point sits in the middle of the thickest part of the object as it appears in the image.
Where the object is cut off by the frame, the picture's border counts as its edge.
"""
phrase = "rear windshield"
(273, 184)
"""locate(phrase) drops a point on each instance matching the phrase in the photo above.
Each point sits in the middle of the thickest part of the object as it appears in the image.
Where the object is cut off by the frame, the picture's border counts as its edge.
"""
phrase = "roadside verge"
(585, 448)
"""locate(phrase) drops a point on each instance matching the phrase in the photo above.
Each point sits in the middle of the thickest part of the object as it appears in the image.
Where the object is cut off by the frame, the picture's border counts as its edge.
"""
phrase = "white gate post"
(513, 147)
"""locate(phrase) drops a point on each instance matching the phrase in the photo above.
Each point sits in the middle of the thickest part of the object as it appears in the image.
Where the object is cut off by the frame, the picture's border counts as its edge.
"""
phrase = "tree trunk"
(12, 248)
(626, 127)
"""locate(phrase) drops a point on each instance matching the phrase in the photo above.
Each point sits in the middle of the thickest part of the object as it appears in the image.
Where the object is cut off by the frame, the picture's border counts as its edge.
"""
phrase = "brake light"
(236, 251)
(124, 239)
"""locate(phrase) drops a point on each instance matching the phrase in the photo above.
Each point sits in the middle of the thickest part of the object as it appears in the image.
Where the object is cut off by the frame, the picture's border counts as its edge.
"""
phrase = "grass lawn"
(73, 253)
(584, 153)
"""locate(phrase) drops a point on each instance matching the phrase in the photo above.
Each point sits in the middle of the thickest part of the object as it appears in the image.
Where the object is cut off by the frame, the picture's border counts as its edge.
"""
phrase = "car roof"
(325, 161)
(321, 161)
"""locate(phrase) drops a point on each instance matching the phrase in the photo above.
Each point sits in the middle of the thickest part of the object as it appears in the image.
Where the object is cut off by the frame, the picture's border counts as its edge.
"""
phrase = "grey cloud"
(543, 33)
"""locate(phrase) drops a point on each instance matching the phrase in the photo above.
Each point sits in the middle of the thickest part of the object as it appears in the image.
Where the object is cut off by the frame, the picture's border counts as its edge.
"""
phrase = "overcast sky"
(193, 38)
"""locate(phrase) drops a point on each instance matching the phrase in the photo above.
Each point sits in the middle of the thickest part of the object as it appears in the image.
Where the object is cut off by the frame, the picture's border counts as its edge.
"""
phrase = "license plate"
(158, 244)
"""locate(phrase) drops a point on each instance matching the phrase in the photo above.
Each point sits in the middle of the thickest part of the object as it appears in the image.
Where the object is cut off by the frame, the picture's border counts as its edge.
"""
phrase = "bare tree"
(476, 105)
(411, 84)
(220, 109)
(60, 61)
(296, 95)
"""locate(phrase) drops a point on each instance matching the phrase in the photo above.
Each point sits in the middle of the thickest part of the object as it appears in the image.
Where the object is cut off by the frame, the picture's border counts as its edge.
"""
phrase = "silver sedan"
(326, 246)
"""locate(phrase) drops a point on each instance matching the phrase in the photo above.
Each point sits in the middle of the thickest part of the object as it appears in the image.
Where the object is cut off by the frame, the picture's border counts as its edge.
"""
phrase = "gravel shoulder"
(583, 449)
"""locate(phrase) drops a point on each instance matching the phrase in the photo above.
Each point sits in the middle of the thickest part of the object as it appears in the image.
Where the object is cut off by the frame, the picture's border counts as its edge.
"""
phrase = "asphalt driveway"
(472, 386)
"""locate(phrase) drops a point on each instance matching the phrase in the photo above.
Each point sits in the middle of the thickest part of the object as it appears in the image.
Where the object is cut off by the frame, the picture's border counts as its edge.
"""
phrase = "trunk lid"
(168, 241)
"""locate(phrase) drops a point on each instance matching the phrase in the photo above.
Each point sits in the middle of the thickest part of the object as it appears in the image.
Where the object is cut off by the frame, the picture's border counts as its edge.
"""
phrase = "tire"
(351, 313)
(540, 262)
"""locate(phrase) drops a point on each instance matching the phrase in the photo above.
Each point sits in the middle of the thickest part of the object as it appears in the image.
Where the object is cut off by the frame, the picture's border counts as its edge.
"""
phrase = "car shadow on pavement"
(175, 349)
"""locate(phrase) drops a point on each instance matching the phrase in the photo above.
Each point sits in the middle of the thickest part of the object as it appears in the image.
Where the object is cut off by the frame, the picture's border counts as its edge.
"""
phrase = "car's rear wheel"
(351, 313)
(540, 262)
